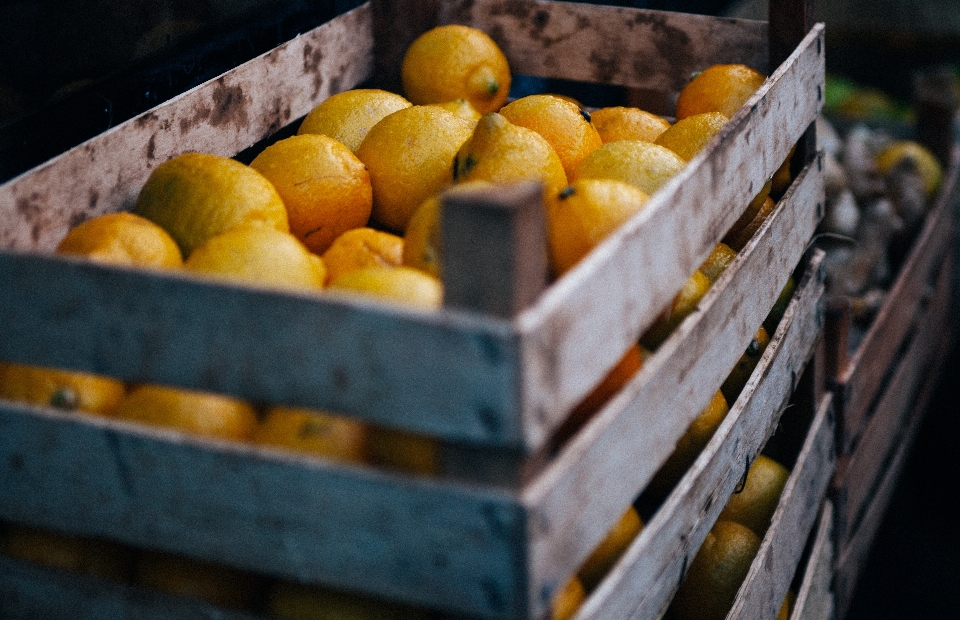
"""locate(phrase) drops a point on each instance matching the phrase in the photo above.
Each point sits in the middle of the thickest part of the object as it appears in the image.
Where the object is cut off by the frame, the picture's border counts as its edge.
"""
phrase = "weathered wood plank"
(616, 292)
(771, 573)
(637, 48)
(860, 380)
(643, 582)
(814, 597)
(456, 547)
(222, 116)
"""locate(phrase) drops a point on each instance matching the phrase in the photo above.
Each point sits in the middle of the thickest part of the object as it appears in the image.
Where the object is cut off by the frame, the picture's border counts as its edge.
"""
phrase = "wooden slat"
(637, 48)
(814, 597)
(643, 582)
(771, 573)
(615, 293)
(864, 467)
(222, 116)
(860, 381)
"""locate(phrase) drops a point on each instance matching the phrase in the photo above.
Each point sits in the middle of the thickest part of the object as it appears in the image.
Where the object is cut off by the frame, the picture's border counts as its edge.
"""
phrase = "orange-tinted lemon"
(200, 413)
(754, 504)
(683, 304)
(297, 601)
(260, 255)
(740, 374)
(456, 62)
(560, 122)
(122, 239)
(720, 88)
(642, 164)
(501, 152)
(738, 239)
(404, 285)
(567, 600)
(181, 576)
(326, 189)
(627, 123)
(606, 554)
(753, 208)
(313, 432)
(409, 155)
(87, 556)
(349, 115)
(195, 196)
(690, 135)
(718, 261)
(787, 607)
(585, 212)
(362, 247)
(62, 389)
(404, 451)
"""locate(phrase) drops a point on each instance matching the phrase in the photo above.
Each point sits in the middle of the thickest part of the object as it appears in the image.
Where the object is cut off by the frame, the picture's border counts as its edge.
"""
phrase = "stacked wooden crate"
(508, 521)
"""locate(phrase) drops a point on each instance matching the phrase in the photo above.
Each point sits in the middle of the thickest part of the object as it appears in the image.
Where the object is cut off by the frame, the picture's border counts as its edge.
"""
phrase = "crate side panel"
(314, 350)
(264, 510)
(638, 48)
(771, 573)
(814, 598)
(222, 116)
(646, 577)
(616, 292)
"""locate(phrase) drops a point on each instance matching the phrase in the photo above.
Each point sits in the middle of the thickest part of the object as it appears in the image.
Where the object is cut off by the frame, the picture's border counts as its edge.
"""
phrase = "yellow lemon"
(404, 451)
(325, 188)
(688, 136)
(754, 504)
(560, 122)
(738, 377)
(613, 545)
(460, 107)
(584, 213)
(195, 196)
(683, 304)
(738, 239)
(409, 155)
(404, 285)
(62, 389)
(567, 600)
(122, 239)
(720, 88)
(753, 208)
(627, 123)
(642, 164)
(501, 152)
(348, 116)
(718, 261)
(362, 247)
(259, 255)
(313, 432)
(456, 62)
(925, 161)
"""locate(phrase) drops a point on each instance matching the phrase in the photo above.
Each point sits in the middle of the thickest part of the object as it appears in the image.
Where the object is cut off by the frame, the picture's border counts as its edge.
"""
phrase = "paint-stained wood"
(643, 582)
(637, 48)
(222, 116)
(814, 600)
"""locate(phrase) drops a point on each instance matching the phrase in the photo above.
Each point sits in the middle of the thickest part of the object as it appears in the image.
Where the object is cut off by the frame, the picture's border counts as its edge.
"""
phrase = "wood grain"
(814, 599)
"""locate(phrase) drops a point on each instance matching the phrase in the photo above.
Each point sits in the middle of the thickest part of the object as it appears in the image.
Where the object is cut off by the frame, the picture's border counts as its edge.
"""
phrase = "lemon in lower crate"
(567, 600)
(738, 377)
(409, 156)
(560, 122)
(644, 165)
(782, 177)
(754, 503)
(260, 255)
(295, 601)
(627, 123)
(738, 237)
(720, 88)
(690, 135)
(195, 412)
(87, 556)
(682, 306)
(195, 196)
(922, 158)
(403, 450)
(61, 389)
(716, 572)
(454, 61)
(313, 432)
(501, 152)
(779, 308)
(402, 285)
(349, 115)
(583, 214)
(122, 239)
(720, 258)
(362, 247)
(613, 545)
(181, 576)
(786, 608)
(326, 189)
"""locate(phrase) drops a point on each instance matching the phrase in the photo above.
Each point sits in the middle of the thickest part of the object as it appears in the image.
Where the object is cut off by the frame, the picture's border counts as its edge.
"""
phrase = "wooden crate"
(492, 385)
(815, 595)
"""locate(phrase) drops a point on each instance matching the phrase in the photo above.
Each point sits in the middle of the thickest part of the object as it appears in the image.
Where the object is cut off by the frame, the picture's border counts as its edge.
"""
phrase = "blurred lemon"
(720, 88)
(738, 377)
(560, 122)
(296, 601)
(122, 239)
(754, 504)
(642, 164)
(718, 261)
(690, 135)
(259, 255)
(362, 247)
(627, 123)
(61, 389)
(195, 196)
(404, 285)
(87, 556)
(348, 116)
(613, 545)
(409, 155)
(782, 177)
(567, 600)
(313, 432)
(925, 161)
(501, 152)
(181, 576)
(325, 188)
(404, 450)
(456, 62)
(199, 413)
(584, 213)
(683, 304)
